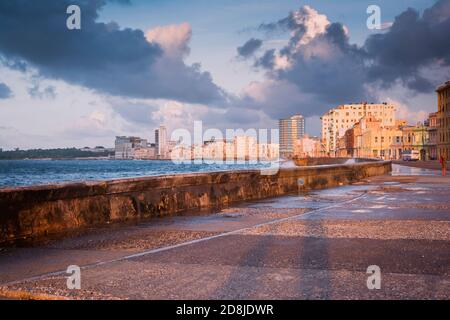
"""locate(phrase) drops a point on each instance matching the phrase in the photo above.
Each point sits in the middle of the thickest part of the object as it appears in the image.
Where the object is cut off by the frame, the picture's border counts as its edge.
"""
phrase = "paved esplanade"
(317, 245)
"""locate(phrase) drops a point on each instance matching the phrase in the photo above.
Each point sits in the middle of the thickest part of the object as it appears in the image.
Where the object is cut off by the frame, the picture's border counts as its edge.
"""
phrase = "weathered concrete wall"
(39, 211)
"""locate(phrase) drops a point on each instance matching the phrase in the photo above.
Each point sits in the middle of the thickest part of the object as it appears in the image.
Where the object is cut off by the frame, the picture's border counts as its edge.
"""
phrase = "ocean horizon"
(31, 172)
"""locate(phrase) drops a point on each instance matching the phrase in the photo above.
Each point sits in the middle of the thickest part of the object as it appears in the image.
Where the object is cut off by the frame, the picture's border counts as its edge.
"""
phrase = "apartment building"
(368, 138)
(342, 118)
(307, 147)
(432, 128)
(125, 147)
(443, 120)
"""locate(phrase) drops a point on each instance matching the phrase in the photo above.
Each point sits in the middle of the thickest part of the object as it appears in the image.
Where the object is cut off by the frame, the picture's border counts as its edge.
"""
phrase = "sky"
(136, 64)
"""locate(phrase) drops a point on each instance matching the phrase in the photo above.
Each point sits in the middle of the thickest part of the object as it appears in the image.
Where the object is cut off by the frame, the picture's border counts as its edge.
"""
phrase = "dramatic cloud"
(321, 68)
(136, 113)
(174, 39)
(92, 126)
(412, 42)
(249, 48)
(37, 92)
(5, 91)
(303, 24)
(100, 56)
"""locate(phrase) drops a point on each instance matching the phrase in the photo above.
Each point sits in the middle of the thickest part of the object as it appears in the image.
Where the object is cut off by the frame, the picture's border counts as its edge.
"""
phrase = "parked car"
(411, 155)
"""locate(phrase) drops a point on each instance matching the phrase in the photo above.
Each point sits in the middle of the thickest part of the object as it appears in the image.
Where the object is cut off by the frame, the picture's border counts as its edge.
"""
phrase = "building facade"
(337, 121)
(291, 129)
(246, 148)
(161, 142)
(307, 147)
(368, 138)
(443, 120)
(218, 150)
(125, 147)
(432, 127)
(417, 138)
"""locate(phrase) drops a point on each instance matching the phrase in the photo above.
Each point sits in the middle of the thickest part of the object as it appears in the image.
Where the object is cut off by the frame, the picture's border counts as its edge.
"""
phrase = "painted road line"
(184, 244)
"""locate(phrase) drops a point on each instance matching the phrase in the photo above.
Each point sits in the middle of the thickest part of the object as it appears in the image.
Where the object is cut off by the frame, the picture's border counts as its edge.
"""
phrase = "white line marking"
(179, 245)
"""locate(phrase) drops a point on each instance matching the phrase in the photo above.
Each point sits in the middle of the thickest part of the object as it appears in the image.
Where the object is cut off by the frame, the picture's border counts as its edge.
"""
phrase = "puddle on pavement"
(399, 170)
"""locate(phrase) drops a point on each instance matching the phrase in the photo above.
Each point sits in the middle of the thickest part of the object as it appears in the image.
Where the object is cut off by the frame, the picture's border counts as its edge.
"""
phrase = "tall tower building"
(161, 142)
(291, 129)
(443, 120)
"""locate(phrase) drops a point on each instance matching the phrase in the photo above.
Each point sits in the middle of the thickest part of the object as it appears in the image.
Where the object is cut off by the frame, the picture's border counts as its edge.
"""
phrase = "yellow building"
(443, 120)
(338, 120)
(417, 138)
(370, 139)
(307, 147)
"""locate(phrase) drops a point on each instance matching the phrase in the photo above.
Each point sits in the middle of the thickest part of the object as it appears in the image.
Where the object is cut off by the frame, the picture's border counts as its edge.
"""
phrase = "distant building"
(342, 118)
(218, 149)
(268, 151)
(432, 127)
(368, 138)
(443, 120)
(181, 152)
(307, 147)
(291, 129)
(246, 148)
(147, 153)
(240, 148)
(125, 147)
(97, 149)
(416, 138)
(161, 142)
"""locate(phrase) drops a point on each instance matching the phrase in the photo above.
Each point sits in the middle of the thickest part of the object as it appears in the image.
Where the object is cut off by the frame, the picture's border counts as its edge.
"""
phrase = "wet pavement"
(305, 246)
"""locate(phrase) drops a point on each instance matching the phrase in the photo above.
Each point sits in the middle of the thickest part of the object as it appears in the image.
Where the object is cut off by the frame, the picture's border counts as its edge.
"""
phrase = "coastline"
(38, 211)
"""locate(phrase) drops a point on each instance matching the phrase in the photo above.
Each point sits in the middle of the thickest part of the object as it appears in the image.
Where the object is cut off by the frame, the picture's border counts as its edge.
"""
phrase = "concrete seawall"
(32, 212)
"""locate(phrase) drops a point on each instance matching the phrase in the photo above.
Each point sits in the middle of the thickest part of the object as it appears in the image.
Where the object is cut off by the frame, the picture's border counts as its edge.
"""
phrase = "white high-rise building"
(338, 120)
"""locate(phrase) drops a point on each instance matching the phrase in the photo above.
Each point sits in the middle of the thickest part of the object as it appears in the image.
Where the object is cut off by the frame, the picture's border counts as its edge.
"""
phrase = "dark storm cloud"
(249, 48)
(336, 75)
(327, 67)
(412, 42)
(99, 56)
(266, 60)
(327, 70)
(5, 91)
(136, 113)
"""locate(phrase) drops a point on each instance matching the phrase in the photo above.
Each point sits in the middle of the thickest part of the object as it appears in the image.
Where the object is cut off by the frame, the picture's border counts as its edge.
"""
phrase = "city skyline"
(228, 157)
(253, 71)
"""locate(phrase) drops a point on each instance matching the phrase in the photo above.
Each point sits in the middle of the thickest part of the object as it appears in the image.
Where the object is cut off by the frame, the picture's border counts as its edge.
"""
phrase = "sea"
(15, 173)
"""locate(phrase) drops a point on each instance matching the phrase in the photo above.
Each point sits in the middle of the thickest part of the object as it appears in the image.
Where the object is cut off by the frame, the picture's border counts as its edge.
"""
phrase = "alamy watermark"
(237, 146)
(374, 280)
(73, 22)
(74, 279)
(374, 20)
